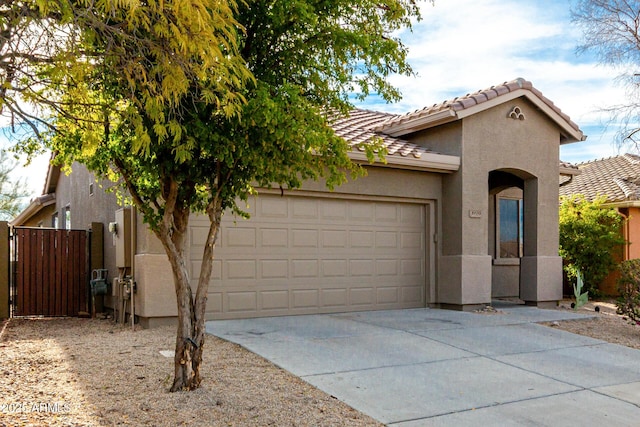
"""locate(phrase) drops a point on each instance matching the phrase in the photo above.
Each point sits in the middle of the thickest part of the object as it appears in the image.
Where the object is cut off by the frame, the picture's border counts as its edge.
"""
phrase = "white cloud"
(465, 45)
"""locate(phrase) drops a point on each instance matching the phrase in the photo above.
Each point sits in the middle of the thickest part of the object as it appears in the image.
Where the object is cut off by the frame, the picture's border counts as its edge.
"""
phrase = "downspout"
(134, 234)
(626, 234)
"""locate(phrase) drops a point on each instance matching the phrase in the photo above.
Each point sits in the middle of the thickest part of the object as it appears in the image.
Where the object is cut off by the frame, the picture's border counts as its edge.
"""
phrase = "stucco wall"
(633, 225)
(490, 140)
(73, 191)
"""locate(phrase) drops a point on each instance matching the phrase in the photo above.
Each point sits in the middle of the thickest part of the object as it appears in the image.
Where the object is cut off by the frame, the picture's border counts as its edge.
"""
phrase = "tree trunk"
(191, 312)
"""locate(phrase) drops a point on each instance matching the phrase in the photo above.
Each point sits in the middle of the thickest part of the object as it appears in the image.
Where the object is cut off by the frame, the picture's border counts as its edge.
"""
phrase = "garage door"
(302, 255)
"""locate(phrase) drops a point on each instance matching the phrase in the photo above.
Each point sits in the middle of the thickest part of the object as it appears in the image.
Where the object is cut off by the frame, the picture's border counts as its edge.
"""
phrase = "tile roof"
(453, 106)
(358, 127)
(616, 177)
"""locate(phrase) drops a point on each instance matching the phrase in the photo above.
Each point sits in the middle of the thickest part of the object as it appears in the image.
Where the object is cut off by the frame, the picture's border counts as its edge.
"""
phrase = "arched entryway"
(511, 226)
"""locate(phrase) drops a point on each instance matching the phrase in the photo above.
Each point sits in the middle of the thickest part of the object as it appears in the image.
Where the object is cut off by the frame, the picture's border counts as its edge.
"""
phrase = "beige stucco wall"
(490, 140)
(73, 191)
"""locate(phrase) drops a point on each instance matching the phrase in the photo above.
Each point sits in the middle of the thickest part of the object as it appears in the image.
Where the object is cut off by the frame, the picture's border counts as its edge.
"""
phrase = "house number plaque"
(475, 213)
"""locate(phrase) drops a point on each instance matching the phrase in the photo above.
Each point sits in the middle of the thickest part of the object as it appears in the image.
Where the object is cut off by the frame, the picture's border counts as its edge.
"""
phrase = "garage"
(313, 254)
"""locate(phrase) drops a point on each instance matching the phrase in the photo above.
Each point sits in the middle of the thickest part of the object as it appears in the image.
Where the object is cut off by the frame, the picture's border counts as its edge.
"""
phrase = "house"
(617, 178)
(463, 211)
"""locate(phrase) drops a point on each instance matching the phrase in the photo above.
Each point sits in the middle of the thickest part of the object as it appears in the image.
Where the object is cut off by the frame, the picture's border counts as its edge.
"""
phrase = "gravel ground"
(88, 372)
(83, 372)
(606, 325)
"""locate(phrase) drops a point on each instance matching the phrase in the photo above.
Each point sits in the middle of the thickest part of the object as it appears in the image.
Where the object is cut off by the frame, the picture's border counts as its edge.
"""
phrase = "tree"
(226, 134)
(611, 29)
(12, 192)
(590, 236)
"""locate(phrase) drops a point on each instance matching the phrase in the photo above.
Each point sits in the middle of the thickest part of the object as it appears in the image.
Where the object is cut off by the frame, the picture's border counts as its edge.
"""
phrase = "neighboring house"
(617, 178)
(463, 211)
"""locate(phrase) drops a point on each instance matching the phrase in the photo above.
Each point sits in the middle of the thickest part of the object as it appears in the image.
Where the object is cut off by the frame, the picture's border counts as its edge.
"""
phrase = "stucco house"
(465, 210)
(617, 178)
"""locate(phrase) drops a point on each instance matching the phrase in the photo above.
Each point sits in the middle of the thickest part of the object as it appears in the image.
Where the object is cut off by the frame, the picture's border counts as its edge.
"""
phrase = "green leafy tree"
(12, 192)
(224, 133)
(590, 237)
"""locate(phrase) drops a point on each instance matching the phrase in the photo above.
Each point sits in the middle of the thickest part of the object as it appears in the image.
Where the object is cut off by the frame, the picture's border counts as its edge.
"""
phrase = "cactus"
(581, 297)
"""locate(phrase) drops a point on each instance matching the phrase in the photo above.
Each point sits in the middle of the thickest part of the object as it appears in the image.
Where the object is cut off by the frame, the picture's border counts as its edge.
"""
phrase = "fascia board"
(430, 120)
(623, 204)
(429, 162)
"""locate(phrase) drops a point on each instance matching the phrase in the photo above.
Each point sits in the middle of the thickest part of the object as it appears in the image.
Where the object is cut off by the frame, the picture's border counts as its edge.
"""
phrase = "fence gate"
(51, 272)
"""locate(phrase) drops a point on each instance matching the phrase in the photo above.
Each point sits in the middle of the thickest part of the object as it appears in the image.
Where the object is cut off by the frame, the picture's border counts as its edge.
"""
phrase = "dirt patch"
(84, 372)
(606, 325)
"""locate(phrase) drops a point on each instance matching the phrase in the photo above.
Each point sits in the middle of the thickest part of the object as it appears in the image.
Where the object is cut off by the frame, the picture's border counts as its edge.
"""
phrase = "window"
(67, 218)
(510, 227)
(55, 221)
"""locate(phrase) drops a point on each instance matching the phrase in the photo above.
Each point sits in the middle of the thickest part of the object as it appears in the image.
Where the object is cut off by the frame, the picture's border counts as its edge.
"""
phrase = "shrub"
(629, 289)
(590, 235)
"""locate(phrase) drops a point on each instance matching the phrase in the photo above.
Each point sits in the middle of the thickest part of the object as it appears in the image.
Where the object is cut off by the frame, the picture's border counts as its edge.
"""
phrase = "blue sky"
(462, 46)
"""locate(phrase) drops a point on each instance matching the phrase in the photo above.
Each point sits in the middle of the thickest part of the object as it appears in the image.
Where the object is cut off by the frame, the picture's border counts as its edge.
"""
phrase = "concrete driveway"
(428, 367)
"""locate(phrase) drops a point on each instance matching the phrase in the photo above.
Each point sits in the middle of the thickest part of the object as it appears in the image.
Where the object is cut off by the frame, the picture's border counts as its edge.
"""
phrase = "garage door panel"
(362, 239)
(304, 298)
(274, 269)
(274, 238)
(304, 238)
(313, 255)
(304, 208)
(387, 267)
(361, 297)
(334, 210)
(334, 268)
(274, 300)
(334, 297)
(304, 268)
(388, 295)
(245, 301)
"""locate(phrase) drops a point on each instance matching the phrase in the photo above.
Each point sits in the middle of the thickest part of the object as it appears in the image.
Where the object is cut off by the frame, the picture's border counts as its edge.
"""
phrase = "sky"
(462, 46)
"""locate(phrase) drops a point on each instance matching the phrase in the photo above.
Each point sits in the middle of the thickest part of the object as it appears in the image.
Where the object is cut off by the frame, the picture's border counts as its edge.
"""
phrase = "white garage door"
(301, 255)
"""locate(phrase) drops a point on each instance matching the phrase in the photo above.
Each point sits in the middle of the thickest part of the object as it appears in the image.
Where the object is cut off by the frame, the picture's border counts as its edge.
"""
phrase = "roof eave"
(569, 171)
(623, 204)
(34, 207)
(420, 123)
(427, 162)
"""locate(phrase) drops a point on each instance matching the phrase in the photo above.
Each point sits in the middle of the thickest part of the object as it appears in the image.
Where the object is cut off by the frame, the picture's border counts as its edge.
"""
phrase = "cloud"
(462, 46)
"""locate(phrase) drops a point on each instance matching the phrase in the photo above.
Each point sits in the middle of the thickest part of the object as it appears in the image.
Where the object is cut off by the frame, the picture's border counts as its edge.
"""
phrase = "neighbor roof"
(472, 103)
(617, 177)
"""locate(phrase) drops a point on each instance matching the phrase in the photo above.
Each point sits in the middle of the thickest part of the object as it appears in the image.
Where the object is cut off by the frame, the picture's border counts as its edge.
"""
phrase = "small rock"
(555, 324)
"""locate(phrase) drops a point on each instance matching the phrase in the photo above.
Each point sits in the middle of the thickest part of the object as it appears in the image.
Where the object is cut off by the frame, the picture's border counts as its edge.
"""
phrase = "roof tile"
(357, 128)
(616, 177)
(472, 99)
